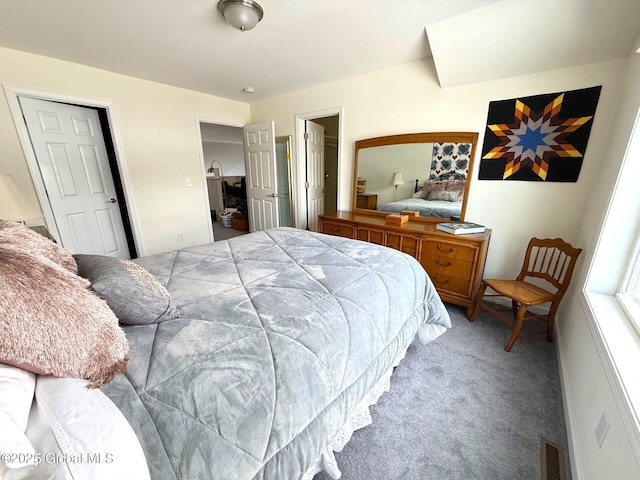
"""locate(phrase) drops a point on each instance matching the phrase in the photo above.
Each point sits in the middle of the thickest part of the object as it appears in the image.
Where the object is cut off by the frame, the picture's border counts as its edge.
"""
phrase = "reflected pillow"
(443, 196)
(457, 187)
(134, 294)
(432, 186)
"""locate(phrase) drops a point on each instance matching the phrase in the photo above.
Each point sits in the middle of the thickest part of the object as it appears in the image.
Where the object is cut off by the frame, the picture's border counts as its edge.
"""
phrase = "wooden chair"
(551, 260)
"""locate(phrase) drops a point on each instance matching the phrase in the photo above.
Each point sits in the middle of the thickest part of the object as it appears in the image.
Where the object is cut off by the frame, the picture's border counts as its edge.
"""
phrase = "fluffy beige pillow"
(16, 236)
(52, 323)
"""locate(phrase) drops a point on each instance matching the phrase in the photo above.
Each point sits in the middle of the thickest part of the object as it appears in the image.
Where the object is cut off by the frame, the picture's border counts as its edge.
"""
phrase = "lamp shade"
(397, 179)
(13, 204)
(241, 14)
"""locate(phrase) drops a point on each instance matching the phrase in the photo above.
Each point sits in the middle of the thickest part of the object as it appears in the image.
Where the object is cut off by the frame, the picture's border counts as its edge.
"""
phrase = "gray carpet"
(463, 408)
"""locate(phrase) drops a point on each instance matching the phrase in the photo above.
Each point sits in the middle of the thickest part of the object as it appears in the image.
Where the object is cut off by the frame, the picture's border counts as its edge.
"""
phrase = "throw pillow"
(442, 195)
(18, 237)
(53, 323)
(457, 187)
(134, 294)
(432, 186)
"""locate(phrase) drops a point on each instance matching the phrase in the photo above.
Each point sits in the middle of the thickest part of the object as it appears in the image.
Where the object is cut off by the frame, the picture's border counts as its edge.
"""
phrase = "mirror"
(425, 172)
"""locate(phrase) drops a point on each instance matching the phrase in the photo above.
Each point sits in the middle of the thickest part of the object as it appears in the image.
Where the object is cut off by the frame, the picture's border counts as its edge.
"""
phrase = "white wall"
(589, 384)
(230, 156)
(155, 128)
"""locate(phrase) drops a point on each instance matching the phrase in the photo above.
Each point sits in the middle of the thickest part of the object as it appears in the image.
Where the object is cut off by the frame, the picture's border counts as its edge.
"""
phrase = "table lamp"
(397, 180)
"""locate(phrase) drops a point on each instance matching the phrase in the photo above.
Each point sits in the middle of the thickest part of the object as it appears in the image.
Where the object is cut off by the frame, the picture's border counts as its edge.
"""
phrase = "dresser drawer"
(338, 229)
(456, 250)
(446, 283)
(405, 243)
(450, 266)
(370, 235)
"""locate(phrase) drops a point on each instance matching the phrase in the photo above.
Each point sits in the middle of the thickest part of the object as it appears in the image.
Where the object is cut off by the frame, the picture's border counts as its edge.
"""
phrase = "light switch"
(188, 183)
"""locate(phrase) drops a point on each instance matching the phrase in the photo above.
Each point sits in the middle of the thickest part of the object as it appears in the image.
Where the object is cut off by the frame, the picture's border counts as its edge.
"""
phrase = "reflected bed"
(427, 208)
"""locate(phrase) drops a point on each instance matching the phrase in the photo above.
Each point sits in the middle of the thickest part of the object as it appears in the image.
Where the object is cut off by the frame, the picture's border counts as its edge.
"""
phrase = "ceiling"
(302, 43)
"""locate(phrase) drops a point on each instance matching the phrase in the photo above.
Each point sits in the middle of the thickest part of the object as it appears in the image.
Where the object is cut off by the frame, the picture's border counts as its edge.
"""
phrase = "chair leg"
(516, 328)
(476, 306)
(551, 316)
(514, 307)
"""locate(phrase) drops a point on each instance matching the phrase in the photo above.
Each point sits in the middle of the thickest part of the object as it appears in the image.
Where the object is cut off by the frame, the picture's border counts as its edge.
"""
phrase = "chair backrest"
(552, 260)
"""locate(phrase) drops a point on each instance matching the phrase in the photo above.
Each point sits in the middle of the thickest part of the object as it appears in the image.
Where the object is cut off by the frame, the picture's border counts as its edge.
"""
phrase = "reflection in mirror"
(425, 172)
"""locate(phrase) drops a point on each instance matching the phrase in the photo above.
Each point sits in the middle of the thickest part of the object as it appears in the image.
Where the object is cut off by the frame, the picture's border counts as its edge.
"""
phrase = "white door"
(283, 158)
(260, 166)
(72, 158)
(315, 173)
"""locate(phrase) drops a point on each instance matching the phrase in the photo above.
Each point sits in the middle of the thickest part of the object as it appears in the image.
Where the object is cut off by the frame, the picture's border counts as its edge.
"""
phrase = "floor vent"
(552, 458)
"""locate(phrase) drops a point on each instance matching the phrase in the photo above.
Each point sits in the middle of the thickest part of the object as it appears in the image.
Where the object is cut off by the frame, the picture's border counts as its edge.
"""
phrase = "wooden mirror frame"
(433, 137)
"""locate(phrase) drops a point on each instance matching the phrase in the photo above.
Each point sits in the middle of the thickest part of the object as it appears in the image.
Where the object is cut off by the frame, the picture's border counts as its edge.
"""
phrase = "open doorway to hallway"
(227, 182)
(223, 157)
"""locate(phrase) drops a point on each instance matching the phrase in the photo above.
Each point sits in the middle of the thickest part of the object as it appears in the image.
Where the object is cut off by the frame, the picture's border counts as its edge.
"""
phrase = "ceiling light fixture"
(241, 14)
(249, 90)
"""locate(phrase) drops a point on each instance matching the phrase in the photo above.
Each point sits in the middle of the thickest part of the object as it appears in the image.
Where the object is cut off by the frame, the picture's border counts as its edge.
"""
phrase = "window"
(629, 294)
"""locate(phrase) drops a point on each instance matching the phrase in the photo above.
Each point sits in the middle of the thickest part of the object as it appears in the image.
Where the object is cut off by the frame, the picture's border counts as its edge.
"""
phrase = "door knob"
(274, 195)
(112, 200)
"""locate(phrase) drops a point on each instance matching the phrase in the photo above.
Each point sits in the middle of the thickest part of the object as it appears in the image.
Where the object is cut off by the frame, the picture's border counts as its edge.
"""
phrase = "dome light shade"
(241, 14)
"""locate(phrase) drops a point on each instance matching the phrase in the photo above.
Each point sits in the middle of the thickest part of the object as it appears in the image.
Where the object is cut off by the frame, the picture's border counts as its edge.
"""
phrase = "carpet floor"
(463, 408)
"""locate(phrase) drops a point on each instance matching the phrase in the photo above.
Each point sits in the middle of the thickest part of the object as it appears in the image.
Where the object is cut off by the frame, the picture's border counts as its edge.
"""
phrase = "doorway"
(71, 155)
(223, 155)
(324, 195)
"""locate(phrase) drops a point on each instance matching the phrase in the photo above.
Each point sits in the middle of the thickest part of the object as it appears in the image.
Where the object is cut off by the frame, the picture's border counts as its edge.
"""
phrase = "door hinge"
(306, 135)
(306, 184)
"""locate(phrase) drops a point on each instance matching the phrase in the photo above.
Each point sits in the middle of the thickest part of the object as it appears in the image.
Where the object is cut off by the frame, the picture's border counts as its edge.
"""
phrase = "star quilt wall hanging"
(538, 138)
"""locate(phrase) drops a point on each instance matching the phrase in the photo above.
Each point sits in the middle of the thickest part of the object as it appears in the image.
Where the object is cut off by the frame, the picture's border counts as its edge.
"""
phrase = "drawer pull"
(437, 279)
(444, 263)
(449, 250)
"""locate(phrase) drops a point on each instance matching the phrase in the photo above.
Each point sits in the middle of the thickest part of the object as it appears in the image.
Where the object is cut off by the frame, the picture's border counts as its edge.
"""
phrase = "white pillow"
(82, 434)
(16, 396)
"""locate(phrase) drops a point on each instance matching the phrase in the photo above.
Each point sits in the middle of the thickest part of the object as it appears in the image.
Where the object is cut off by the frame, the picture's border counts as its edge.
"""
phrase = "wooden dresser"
(455, 263)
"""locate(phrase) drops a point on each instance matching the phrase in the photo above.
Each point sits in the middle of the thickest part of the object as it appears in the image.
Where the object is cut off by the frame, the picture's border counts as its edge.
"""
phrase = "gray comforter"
(280, 334)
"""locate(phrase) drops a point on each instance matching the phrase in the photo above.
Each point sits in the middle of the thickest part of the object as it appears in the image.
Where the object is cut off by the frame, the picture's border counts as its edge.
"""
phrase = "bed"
(271, 351)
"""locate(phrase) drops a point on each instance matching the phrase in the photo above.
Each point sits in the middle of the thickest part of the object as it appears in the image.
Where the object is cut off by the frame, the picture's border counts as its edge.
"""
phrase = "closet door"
(260, 166)
(314, 137)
